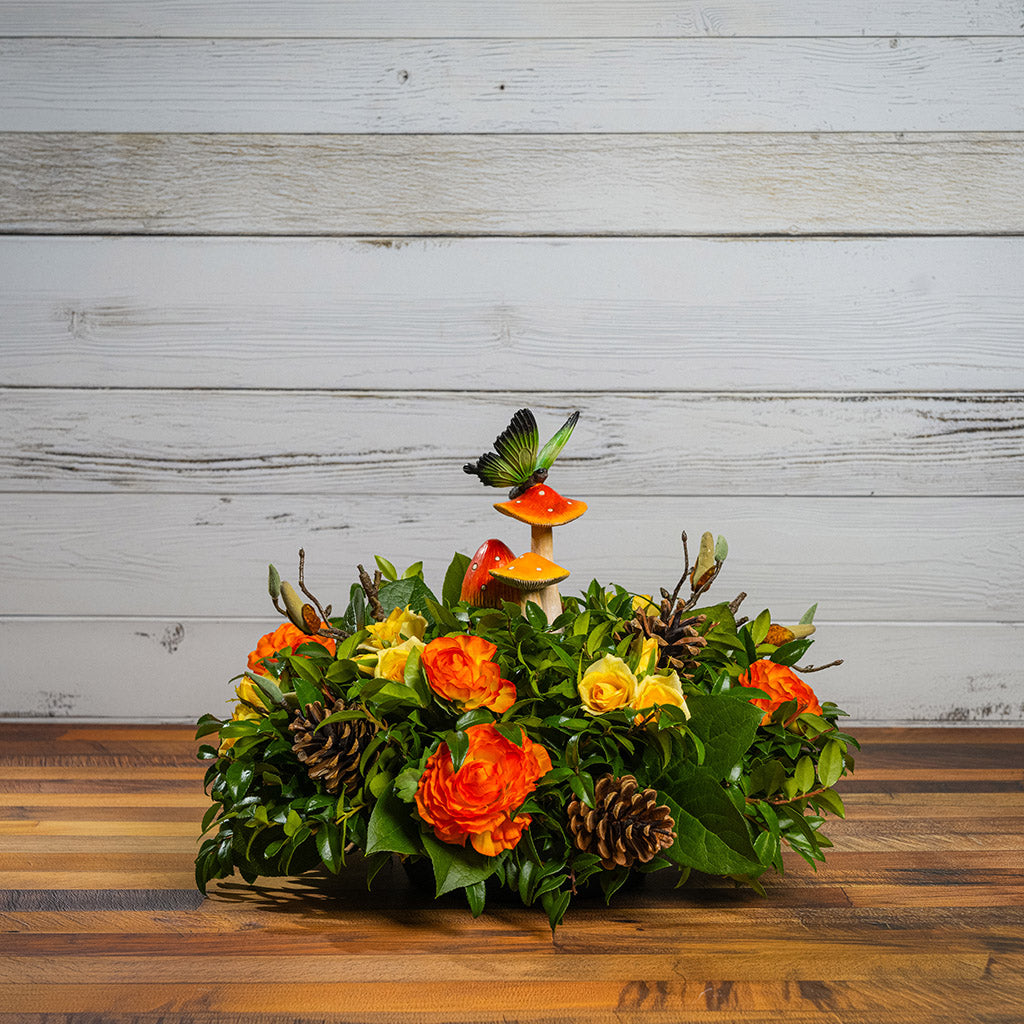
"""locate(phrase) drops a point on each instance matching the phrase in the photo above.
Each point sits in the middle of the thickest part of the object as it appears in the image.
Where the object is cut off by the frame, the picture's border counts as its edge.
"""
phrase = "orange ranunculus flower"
(781, 683)
(477, 801)
(285, 637)
(460, 669)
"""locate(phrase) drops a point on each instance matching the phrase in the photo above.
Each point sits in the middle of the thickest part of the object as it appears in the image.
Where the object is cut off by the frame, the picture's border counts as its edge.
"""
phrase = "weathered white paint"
(514, 184)
(871, 559)
(511, 19)
(245, 442)
(482, 315)
(180, 668)
(320, 392)
(466, 85)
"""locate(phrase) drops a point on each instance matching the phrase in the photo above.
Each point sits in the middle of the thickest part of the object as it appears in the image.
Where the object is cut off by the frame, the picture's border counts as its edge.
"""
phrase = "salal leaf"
(451, 589)
(456, 867)
(392, 828)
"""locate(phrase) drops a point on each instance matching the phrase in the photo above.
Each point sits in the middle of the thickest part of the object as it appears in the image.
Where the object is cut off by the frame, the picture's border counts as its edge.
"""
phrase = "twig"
(734, 604)
(371, 588)
(686, 571)
(324, 614)
(703, 588)
(786, 799)
(817, 668)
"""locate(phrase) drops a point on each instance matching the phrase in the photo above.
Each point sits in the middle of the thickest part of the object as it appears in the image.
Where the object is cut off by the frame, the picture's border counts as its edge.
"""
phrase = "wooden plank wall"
(272, 271)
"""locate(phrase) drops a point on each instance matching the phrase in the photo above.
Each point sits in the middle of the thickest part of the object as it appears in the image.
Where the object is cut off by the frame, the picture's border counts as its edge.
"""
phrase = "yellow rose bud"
(644, 603)
(391, 661)
(402, 623)
(606, 685)
(648, 655)
(250, 692)
(663, 689)
(241, 713)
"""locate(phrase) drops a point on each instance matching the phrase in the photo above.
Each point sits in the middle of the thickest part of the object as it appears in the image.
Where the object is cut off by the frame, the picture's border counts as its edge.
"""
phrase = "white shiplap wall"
(270, 272)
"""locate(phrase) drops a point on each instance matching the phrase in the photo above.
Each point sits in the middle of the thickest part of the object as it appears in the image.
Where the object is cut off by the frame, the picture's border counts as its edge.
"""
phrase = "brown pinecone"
(679, 641)
(626, 825)
(332, 754)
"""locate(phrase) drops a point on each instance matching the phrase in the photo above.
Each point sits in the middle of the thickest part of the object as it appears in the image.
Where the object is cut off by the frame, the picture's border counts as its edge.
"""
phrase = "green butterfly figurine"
(514, 462)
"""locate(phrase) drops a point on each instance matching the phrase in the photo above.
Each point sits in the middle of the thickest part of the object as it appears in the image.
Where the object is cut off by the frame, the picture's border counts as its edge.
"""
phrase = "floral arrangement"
(504, 736)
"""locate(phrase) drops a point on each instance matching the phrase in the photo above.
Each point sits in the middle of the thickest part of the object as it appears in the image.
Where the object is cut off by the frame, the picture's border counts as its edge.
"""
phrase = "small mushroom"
(535, 577)
(478, 587)
(543, 508)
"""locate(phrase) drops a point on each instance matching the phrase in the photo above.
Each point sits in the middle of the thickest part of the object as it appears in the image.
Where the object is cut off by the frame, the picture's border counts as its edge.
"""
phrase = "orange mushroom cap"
(478, 588)
(542, 505)
(530, 572)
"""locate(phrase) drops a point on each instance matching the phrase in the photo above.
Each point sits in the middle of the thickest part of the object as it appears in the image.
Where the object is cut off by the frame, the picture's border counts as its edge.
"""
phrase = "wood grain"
(493, 315)
(513, 19)
(167, 441)
(736, 183)
(883, 933)
(472, 86)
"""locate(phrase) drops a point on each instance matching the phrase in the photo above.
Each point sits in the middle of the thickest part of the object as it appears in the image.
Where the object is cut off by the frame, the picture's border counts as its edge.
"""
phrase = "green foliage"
(740, 792)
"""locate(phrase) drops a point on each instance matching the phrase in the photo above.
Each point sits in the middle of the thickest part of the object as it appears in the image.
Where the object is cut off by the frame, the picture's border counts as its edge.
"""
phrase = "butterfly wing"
(515, 454)
(554, 447)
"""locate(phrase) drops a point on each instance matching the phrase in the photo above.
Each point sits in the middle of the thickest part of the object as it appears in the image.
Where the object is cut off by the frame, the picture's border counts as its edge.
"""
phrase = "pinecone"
(679, 641)
(626, 825)
(331, 756)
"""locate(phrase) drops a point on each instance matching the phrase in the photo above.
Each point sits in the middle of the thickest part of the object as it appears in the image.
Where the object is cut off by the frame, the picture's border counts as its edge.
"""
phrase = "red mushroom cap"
(478, 587)
(542, 505)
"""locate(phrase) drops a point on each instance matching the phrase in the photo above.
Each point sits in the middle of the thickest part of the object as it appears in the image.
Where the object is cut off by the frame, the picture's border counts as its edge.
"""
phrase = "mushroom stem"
(541, 543)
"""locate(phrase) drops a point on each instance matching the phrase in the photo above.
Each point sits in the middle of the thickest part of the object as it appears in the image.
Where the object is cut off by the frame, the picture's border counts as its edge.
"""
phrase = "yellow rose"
(648, 655)
(250, 692)
(661, 689)
(241, 713)
(606, 685)
(391, 661)
(401, 623)
(643, 603)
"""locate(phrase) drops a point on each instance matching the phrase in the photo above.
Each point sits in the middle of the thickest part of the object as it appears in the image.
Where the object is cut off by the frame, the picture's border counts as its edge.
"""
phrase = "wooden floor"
(918, 915)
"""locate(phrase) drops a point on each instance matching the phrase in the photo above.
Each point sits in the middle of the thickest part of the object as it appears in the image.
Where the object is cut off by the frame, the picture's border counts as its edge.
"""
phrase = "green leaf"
(804, 774)
(830, 764)
(555, 905)
(830, 799)
(477, 716)
(726, 727)
(392, 828)
(476, 896)
(536, 617)
(455, 867)
(808, 616)
(443, 617)
(759, 627)
(206, 725)
(711, 835)
(451, 589)
(412, 592)
(512, 731)
(458, 746)
(386, 568)
(416, 569)
(292, 823)
(329, 846)
(406, 784)
(306, 692)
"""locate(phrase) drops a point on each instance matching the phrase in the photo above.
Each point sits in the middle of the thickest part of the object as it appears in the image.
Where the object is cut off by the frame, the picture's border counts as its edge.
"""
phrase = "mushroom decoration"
(534, 576)
(544, 508)
(478, 587)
